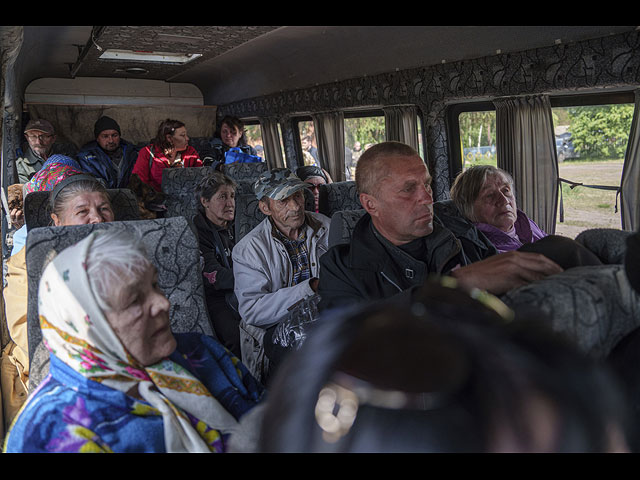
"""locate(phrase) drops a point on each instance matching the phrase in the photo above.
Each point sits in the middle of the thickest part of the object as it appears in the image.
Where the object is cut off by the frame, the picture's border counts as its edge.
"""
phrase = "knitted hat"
(105, 123)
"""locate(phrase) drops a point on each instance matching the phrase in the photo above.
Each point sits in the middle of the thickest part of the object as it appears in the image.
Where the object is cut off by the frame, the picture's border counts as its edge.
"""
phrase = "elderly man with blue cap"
(276, 265)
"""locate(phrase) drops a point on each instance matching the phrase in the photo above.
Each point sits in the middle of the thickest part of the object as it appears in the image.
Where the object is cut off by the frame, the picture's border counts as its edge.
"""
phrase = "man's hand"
(313, 283)
(503, 272)
(17, 217)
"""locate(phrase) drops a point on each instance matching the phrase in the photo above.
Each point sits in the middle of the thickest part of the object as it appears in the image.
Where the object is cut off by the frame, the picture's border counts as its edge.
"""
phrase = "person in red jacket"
(169, 149)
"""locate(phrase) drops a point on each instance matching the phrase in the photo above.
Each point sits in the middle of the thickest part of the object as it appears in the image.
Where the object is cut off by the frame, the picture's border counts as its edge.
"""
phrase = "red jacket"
(150, 172)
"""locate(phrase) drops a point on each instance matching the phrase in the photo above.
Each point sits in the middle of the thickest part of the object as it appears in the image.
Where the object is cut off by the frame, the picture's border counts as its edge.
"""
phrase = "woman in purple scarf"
(485, 195)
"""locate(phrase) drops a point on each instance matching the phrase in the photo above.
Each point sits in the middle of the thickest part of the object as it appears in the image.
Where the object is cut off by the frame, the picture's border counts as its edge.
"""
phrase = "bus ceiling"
(233, 63)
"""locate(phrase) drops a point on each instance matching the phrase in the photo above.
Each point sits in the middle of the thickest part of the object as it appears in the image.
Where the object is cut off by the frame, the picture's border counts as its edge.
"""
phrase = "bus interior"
(459, 95)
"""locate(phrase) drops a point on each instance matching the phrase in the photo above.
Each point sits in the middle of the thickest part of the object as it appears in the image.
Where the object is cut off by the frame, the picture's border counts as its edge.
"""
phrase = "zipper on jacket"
(391, 281)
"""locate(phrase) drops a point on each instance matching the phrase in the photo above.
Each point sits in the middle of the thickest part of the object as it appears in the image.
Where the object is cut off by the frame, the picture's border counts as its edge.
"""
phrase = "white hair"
(115, 260)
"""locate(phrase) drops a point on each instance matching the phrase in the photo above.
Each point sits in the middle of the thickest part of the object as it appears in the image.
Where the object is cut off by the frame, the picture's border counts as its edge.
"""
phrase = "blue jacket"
(94, 160)
(70, 413)
(218, 150)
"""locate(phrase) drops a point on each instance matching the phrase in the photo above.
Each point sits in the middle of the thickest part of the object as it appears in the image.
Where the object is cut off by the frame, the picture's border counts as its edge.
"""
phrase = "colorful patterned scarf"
(77, 332)
(54, 170)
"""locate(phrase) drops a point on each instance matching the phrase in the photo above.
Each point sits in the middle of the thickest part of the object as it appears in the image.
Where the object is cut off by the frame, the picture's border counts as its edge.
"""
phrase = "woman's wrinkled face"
(496, 203)
(221, 207)
(230, 135)
(140, 319)
(84, 208)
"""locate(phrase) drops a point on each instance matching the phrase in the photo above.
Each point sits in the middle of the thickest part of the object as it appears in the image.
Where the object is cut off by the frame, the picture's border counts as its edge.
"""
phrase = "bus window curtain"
(401, 125)
(630, 193)
(526, 149)
(271, 139)
(329, 128)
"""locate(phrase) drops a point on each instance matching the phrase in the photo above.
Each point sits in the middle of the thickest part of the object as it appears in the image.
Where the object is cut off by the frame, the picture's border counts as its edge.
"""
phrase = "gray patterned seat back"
(608, 244)
(594, 305)
(36, 207)
(173, 249)
(178, 185)
(342, 224)
(203, 147)
(248, 214)
(244, 171)
(338, 196)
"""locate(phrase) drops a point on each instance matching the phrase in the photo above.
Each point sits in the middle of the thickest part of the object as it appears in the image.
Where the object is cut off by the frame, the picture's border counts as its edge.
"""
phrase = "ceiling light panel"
(153, 57)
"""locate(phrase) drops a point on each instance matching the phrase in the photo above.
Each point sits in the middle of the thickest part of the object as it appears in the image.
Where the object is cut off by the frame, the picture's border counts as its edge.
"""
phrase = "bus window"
(591, 142)
(253, 133)
(360, 133)
(477, 138)
(308, 142)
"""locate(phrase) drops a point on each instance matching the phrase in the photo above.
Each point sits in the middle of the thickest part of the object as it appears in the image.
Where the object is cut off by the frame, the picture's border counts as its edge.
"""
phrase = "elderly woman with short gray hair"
(485, 195)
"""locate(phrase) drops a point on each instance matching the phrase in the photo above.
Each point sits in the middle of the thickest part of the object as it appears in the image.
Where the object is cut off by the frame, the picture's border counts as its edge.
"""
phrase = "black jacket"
(371, 268)
(218, 268)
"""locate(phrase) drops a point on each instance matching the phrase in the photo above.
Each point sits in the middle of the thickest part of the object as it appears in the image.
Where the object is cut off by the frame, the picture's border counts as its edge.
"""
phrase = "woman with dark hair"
(314, 176)
(230, 134)
(448, 373)
(215, 195)
(169, 149)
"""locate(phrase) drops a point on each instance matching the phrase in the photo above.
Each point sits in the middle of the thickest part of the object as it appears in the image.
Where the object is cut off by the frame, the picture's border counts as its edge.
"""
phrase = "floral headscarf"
(76, 331)
(54, 170)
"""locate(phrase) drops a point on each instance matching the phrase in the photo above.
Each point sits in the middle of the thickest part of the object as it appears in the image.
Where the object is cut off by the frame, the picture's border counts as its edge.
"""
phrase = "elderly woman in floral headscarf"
(120, 380)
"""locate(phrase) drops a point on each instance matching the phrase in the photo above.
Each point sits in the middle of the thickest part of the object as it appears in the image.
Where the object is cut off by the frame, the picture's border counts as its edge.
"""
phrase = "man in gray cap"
(40, 136)
(109, 156)
(276, 265)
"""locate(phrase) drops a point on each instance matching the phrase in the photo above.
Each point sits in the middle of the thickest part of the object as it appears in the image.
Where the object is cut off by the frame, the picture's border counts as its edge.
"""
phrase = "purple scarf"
(526, 231)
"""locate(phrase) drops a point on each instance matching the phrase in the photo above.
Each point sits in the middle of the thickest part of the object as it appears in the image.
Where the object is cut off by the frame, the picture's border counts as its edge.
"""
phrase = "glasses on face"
(42, 137)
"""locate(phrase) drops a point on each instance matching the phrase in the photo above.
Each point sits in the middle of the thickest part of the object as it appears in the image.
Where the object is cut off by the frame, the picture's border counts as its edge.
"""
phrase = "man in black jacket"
(399, 242)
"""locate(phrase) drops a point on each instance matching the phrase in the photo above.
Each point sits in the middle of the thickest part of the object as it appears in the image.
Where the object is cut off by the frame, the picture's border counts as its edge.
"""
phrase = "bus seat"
(204, 149)
(178, 185)
(244, 171)
(36, 209)
(248, 214)
(342, 225)
(244, 187)
(173, 249)
(609, 244)
(182, 180)
(593, 305)
(338, 196)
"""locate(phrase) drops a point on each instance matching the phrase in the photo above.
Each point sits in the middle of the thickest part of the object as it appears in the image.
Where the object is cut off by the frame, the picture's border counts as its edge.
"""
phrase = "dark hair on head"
(210, 184)
(166, 127)
(233, 122)
(467, 373)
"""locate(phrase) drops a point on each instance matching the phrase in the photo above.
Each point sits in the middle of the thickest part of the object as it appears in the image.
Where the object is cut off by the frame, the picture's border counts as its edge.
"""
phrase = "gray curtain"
(329, 128)
(401, 125)
(272, 145)
(526, 149)
(629, 195)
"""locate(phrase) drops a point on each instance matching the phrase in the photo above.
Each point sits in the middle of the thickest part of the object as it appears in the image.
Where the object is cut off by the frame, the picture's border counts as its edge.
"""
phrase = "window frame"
(560, 100)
